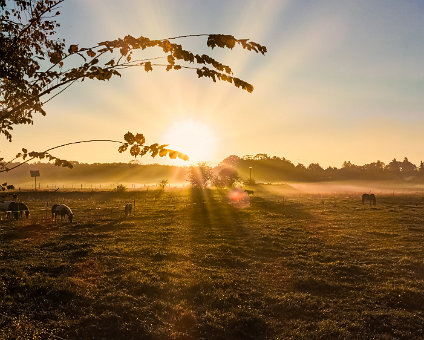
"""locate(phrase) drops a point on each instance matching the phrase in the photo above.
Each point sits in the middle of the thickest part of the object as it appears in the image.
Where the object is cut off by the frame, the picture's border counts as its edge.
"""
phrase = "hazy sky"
(343, 80)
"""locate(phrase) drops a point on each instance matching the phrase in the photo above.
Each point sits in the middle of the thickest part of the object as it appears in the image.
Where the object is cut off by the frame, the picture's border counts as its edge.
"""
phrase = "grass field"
(190, 265)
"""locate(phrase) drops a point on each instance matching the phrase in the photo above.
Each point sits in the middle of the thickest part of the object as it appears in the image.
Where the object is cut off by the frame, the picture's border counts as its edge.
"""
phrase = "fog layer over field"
(135, 176)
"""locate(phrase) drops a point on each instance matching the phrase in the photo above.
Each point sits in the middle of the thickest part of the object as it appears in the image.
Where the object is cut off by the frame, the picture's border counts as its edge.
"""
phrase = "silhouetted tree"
(374, 170)
(301, 173)
(420, 170)
(394, 167)
(232, 160)
(260, 156)
(408, 168)
(225, 176)
(331, 173)
(163, 183)
(199, 175)
(119, 188)
(350, 170)
(315, 171)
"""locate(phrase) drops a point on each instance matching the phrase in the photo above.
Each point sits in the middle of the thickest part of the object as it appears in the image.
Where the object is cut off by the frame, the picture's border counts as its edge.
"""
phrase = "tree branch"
(57, 147)
(35, 18)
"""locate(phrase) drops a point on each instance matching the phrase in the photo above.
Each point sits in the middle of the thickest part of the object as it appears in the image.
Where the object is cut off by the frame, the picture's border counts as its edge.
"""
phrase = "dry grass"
(189, 265)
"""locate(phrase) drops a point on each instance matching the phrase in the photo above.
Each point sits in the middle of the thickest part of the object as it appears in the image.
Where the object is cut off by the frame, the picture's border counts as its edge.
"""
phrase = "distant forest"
(276, 169)
(263, 168)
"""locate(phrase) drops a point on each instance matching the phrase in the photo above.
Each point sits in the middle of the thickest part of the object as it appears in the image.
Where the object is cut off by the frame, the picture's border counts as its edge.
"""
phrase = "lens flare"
(239, 198)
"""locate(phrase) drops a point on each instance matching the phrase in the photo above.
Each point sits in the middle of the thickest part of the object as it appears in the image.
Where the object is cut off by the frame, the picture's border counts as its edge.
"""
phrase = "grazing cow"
(370, 198)
(249, 192)
(13, 209)
(128, 209)
(23, 209)
(62, 210)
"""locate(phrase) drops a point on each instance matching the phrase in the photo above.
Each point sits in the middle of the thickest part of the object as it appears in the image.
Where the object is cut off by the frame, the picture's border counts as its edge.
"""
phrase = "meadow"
(189, 265)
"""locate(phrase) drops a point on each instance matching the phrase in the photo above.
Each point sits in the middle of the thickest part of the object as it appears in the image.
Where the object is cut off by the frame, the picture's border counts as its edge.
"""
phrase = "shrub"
(121, 188)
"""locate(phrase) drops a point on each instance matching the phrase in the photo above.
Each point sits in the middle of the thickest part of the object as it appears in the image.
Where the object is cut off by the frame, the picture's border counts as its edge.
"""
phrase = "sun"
(193, 138)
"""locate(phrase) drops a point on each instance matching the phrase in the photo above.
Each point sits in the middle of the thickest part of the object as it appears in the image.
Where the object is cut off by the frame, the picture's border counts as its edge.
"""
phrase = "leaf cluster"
(228, 41)
(27, 156)
(43, 155)
(5, 186)
(137, 147)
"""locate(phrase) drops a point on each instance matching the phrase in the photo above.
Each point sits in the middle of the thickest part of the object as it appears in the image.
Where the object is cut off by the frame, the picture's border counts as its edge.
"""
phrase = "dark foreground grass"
(189, 265)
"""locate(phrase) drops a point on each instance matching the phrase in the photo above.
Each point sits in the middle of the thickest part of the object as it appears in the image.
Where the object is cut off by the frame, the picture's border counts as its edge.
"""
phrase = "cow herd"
(16, 210)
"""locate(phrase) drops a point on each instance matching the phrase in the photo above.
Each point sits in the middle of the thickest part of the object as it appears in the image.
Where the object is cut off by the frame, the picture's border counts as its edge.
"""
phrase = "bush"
(121, 188)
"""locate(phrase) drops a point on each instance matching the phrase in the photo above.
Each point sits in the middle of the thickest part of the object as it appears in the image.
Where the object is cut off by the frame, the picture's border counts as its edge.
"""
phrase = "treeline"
(274, 169)
(261, 167)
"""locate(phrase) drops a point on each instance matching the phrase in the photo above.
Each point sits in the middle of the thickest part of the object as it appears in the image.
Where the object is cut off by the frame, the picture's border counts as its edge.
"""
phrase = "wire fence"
(91, 186)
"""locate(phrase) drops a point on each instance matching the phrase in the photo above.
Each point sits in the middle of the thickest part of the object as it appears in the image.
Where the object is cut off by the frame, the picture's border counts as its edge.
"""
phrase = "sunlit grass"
(188, 265)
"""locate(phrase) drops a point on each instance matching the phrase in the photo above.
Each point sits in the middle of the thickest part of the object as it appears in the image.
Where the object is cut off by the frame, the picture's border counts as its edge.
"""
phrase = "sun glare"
(194, 138)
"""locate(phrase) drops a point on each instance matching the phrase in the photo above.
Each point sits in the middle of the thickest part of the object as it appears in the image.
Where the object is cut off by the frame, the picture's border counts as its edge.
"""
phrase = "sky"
(342, 81)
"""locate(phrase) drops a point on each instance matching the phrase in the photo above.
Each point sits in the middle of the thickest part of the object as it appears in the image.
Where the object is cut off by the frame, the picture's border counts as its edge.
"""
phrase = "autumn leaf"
(139, 138)
(91, 54)
(173, 154)
(123, 148)
(110, 62)
(148, 66)
(183, 156)
(124, 50)
(55, 57)
(129, 138)
(135, 150)
(73, 49)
